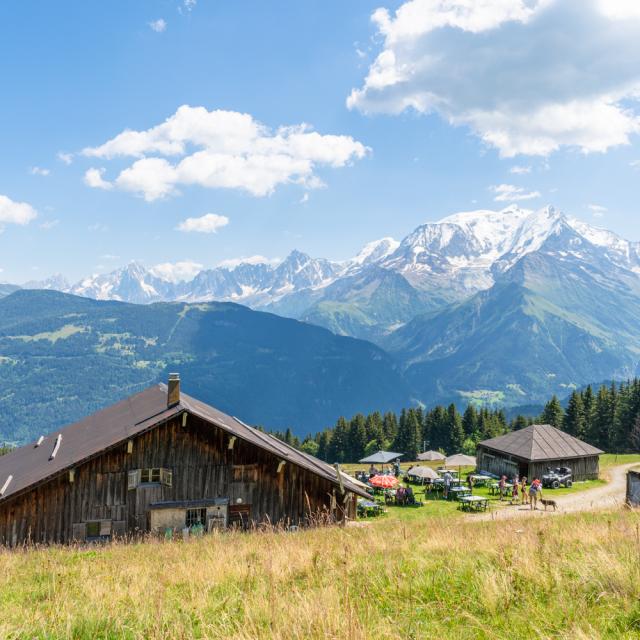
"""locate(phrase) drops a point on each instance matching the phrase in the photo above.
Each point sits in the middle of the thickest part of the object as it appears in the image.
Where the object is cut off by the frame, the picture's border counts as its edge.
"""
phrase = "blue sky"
(422, 135)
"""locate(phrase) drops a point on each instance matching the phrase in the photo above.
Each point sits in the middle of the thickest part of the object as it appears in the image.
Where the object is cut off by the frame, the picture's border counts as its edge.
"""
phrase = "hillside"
(572, 576)
(63, 357)
(548, 325)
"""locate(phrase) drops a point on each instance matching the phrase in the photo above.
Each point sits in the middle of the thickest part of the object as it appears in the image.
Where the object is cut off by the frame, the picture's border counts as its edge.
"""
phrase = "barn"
(530, 451)
(162, 461)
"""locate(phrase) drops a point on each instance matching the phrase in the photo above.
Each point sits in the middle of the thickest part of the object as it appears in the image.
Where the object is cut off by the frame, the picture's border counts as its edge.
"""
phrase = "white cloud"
(526, 76)
(177, 271)
(12, 212)
(208, 223)
(158, 25)
(223, 149)
(189, 5)
(635, 164)
(512, 193)
(93, 178)
(66, 158)
(305, 198)
(519, 169)
(597, 210)
(49, 224)
(98, 227)
(39, 171)
(232, 263)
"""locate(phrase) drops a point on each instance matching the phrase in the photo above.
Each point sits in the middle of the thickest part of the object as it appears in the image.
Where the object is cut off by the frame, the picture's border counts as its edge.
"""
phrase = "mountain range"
(504, 307)
(63, 357)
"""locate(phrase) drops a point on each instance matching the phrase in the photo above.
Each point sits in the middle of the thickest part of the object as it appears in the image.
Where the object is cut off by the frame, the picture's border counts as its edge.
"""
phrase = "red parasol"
(384, 482)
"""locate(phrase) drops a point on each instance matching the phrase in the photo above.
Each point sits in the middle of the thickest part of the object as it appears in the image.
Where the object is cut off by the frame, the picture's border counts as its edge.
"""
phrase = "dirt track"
(608, 496)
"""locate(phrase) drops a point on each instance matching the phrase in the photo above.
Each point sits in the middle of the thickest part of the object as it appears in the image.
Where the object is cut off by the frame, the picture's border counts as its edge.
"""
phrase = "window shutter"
(166, 477)
(133, 479)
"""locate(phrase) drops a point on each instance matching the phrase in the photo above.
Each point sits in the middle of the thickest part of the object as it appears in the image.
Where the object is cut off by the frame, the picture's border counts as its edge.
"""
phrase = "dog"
(549, 503)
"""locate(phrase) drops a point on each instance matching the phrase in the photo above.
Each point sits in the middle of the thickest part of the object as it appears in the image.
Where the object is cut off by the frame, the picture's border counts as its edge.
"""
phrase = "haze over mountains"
(504, 307)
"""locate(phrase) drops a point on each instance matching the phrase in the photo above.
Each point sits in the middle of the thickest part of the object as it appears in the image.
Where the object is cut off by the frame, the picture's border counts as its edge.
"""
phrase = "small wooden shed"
(532, 450)
(162, 460)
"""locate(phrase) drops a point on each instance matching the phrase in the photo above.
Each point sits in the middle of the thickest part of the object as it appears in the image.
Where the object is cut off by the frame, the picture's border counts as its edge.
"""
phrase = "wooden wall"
(203, 467)
(587, 468)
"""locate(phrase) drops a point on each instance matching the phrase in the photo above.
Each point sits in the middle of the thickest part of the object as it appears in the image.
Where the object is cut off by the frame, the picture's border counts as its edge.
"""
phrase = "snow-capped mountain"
(445, 261)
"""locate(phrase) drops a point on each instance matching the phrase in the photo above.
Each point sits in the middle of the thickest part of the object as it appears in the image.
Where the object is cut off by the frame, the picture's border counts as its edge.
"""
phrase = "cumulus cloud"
(158, 25)
(39, 171)
(12, 212)
(527, 76)
(66, 158)
(208, 223)
(222, 149)
(93, 178)
(512, 193)
(597, 210)
(232, 263)
(177, 271)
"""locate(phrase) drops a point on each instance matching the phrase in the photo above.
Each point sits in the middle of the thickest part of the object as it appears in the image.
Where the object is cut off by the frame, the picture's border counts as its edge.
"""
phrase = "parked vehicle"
(554, 478)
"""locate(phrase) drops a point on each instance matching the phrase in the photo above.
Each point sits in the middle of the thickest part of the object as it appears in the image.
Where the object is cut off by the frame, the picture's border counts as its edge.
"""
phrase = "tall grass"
(569, 577)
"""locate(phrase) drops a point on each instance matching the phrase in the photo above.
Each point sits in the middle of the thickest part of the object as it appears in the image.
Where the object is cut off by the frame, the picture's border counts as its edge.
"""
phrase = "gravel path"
(608, 496)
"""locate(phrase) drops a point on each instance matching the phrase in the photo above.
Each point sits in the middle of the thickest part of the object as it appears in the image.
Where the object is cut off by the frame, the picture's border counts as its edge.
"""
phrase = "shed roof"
(34, 463)
(541, 442)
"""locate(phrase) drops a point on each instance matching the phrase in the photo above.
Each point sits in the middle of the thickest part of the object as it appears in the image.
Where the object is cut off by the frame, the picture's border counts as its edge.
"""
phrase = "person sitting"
(400, 495)
(372, 471)
(409, 497)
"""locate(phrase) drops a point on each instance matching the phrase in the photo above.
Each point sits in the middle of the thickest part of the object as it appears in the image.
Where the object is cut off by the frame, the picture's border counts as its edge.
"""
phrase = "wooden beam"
(281, 465)
(184, 419)
(72, 475)
(232, 440)
(56, 447)
(6, 484)
(130, 446)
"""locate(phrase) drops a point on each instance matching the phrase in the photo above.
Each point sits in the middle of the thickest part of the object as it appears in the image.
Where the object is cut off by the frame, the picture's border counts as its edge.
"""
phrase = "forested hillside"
(608, 418)
(63, 357)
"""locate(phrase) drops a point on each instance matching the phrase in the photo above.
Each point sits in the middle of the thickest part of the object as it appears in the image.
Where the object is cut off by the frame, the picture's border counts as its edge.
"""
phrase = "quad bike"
(554, 478)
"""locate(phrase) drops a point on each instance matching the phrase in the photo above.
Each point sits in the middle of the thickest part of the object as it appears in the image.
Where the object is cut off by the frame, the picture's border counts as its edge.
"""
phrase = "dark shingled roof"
(32, 464)
(541, 442)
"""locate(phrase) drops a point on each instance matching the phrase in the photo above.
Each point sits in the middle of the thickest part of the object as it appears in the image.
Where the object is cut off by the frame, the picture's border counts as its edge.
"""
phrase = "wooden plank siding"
(498, 463)
(203, 467)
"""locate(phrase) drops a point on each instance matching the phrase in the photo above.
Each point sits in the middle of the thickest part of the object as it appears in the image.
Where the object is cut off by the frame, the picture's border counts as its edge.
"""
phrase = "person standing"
(470, 483)
(523, 491)
(534, 493)
(502, 485)
(447, 484)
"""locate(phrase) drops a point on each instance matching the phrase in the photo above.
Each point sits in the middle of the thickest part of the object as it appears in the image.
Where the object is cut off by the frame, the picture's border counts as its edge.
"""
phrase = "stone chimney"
(173, 394)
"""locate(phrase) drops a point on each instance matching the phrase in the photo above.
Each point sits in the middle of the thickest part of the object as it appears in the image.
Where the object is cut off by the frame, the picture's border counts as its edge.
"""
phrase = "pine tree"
(589, 408)
(456, 432)
(519, 422)
(553, 413)
(357, 438)
(574, 420)
(470, 420)
(340, 442)
(375, 430)
(390, 426)
(324, 444)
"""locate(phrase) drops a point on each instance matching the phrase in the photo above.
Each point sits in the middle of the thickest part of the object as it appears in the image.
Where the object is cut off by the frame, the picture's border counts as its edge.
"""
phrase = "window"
(196, 516)
(149, 476)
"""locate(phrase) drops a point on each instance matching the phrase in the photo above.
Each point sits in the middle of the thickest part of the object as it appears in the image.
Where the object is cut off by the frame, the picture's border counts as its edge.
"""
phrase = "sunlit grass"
(572, 577)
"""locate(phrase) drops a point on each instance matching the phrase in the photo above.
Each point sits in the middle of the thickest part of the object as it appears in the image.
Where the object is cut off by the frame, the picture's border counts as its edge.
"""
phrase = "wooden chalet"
(532, 450)
(161, 460)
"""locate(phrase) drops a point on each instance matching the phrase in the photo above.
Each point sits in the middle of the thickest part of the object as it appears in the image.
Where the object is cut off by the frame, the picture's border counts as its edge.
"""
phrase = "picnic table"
(473, 503)
(494, 488)
(479, 480)
(455, 493)
(439, 482)
(368, 508)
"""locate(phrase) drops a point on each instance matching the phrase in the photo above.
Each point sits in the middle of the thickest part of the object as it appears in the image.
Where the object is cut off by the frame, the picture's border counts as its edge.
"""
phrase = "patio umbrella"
(381, 457)
(423, 473)
(430, 456)
(384, 482)
(460, 460)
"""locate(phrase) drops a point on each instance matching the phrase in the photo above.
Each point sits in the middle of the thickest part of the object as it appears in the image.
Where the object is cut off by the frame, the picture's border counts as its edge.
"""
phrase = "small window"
(150, 476)
(195, 517)
(93, 529)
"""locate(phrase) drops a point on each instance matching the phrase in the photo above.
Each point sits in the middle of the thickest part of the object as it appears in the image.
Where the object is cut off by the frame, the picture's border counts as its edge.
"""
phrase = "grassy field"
(572, 577)
(416, 573)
